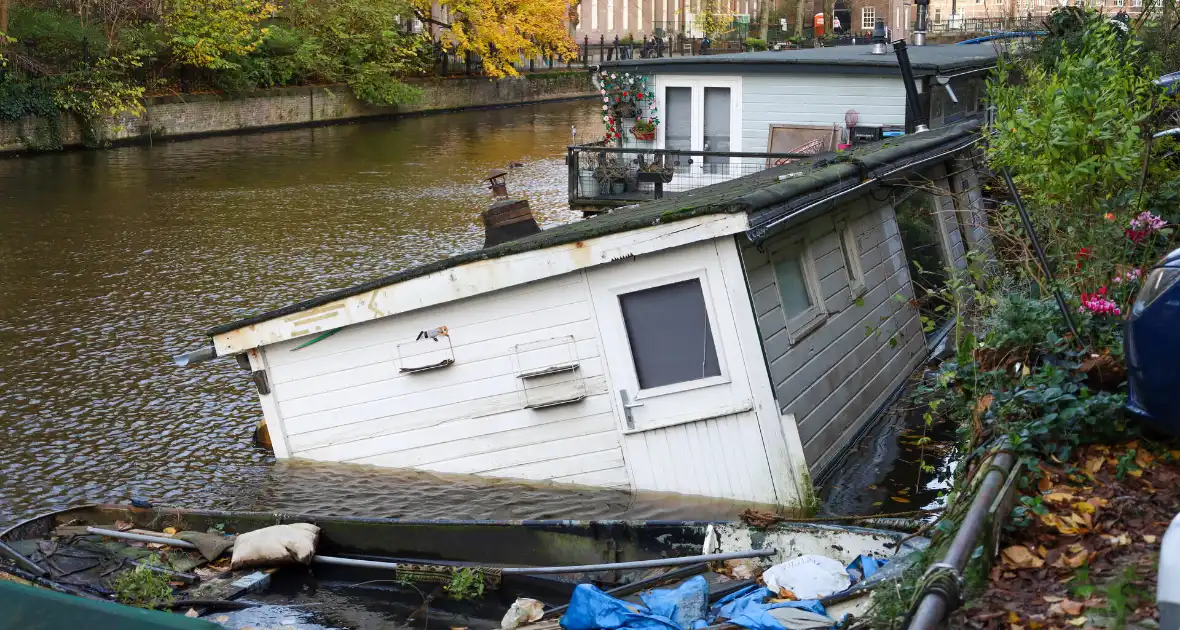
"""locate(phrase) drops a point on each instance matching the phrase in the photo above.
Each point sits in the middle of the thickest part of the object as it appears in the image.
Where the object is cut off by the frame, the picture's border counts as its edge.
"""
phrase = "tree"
(501, 32)
(799, 17)
(710, 19)
(210, 33)
(764, 18)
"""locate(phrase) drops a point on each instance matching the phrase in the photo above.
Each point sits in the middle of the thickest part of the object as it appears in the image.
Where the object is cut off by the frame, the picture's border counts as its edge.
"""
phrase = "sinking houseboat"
(727, 342)
(725, 116)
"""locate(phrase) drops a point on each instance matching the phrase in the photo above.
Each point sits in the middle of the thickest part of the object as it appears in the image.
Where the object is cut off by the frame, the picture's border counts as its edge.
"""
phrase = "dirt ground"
(1084, 549)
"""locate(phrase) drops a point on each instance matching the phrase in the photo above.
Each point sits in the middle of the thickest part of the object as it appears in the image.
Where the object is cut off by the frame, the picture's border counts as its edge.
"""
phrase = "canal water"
(112, 261)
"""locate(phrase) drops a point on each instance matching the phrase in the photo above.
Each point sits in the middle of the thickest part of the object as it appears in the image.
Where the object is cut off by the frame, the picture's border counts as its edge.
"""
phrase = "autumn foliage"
(503, 32)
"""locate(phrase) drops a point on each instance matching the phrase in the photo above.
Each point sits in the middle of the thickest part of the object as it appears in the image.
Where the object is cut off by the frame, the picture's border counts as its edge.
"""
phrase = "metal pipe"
(1040, 252)
(375, 564)
(584, 568)
(911, 89)
(159, 540)
(22, 560)
(920, 30)
(934, 606)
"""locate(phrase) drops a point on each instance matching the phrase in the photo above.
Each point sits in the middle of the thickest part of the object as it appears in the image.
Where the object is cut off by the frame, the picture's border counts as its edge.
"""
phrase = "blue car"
(1152, 338)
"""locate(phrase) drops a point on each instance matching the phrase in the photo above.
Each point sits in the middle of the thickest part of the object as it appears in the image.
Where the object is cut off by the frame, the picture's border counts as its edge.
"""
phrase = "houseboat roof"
(925, 60)
(766, 197)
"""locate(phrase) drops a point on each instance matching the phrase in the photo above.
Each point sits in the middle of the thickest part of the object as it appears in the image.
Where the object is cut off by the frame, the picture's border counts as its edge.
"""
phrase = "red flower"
(1082, 255)
(624, 93)
(1102, 291)
(639, 96)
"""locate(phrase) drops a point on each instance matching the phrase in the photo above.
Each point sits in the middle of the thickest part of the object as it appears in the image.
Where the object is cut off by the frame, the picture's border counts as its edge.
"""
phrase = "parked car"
(1152, 344)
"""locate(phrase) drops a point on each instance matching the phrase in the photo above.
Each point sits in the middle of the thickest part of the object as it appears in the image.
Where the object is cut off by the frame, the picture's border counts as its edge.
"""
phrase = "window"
(669, 334)
(868, 18)
(717, 126)
(1120, 3)
(938, 14)
(678, 125)
(851, 251)
(797, 290)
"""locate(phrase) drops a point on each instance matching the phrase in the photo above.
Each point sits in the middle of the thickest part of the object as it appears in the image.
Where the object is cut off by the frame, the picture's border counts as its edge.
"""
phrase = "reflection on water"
(112, 261)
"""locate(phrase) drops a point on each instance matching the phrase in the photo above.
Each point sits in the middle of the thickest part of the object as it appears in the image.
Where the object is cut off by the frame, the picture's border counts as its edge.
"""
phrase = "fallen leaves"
(1066, 607)
(900, 499)
(1021, 557)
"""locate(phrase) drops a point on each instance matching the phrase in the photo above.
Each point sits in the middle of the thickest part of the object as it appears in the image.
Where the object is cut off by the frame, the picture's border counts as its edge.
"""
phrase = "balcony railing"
(602, 177)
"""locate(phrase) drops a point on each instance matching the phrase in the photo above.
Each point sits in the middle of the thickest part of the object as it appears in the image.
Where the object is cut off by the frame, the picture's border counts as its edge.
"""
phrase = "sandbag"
(523, 611)
(275, 546)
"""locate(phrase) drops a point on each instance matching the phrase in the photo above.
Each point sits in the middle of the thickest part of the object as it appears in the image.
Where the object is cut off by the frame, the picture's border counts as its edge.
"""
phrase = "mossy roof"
(761, 195)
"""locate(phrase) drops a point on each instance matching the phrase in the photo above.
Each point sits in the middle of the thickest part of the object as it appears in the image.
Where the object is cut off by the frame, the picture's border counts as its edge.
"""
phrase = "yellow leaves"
(1077, 621)
(1083, 507)
(1093, 465)
(170, 530)
(1071, 524)
(1149, 539)
(204, 32)
(900, 499)
(1059, 497)
(503, 32)
(1021, 557)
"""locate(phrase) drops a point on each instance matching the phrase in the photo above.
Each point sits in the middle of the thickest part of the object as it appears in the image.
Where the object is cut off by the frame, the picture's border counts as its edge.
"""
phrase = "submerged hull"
(484, 543)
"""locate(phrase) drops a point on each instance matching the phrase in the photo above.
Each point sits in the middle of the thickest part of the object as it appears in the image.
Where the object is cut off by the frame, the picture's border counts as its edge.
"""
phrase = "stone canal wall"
(195, 115)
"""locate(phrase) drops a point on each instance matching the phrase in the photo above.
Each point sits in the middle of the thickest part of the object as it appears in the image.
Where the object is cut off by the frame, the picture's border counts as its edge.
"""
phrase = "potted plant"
(645, 128)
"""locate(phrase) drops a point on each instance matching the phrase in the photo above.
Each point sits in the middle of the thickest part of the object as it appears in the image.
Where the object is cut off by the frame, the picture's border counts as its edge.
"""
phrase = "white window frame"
(702, 276)
(868, 18)
(804, 323)
(698, 83)
(850, 250)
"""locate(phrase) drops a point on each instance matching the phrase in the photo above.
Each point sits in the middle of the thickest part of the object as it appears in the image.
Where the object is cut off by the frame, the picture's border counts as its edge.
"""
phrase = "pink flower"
(1098, 304)
(1147, 220)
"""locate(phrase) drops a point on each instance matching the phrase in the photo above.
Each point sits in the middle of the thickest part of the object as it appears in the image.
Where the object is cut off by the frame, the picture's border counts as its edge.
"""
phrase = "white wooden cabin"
(799, 101)
(710, 345)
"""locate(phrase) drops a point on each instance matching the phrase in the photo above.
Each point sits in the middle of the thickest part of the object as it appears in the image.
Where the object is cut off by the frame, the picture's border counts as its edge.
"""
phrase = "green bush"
(21, 97)
(56, 37)
(374, 84)
(753, 43)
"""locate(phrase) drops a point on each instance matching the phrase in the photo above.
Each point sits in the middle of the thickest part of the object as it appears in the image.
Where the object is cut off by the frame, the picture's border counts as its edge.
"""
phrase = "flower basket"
(643, 135)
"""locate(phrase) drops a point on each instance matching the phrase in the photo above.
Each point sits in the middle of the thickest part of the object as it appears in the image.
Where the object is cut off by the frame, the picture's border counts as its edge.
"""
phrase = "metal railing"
(603, 176)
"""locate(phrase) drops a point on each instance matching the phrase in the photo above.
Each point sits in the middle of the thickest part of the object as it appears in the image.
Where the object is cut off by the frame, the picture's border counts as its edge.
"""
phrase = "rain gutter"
(852, 177)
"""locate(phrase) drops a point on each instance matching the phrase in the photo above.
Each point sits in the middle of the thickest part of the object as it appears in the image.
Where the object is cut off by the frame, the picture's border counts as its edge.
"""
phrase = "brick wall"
(173, 117)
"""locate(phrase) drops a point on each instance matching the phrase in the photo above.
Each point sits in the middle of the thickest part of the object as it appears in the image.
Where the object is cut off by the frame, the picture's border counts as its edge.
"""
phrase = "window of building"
(1120, 3)
(937, 14)
(851, 251)
(868, 18)
(798, 289)
(669, 334)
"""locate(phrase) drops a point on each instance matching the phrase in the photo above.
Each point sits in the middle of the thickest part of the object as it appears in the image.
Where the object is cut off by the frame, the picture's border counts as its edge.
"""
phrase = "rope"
(940, 579)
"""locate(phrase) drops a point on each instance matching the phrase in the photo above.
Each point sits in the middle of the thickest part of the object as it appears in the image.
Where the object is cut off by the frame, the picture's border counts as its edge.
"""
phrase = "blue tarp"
(684, 607)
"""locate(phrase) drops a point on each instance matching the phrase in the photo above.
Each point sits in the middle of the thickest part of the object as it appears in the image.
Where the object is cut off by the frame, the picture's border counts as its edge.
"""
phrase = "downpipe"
(937, 602)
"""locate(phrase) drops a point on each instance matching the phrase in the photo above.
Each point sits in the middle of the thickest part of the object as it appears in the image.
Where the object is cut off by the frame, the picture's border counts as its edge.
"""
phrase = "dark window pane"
(668, 329)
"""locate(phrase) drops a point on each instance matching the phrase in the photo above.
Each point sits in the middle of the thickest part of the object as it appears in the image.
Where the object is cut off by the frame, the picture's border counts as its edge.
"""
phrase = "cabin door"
(670, 339)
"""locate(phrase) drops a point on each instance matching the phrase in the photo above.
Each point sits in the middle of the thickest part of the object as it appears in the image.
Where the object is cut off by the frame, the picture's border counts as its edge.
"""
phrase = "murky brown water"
(112, 261)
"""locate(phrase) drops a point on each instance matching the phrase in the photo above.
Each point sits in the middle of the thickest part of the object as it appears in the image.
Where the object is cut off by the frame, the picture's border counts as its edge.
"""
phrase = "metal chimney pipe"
(911, 89)
(878, 39)
(920, 30)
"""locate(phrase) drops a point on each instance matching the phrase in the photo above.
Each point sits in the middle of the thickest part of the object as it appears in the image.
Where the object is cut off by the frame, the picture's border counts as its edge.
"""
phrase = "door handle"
(627, 407)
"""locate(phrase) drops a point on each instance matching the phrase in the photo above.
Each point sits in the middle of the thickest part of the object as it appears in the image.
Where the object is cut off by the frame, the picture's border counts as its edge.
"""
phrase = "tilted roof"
(762, 195)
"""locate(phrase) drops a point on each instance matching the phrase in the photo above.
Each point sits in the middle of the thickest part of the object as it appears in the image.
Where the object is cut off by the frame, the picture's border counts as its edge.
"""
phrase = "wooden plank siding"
(834, 378)
(813, 99)
(345, 399)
